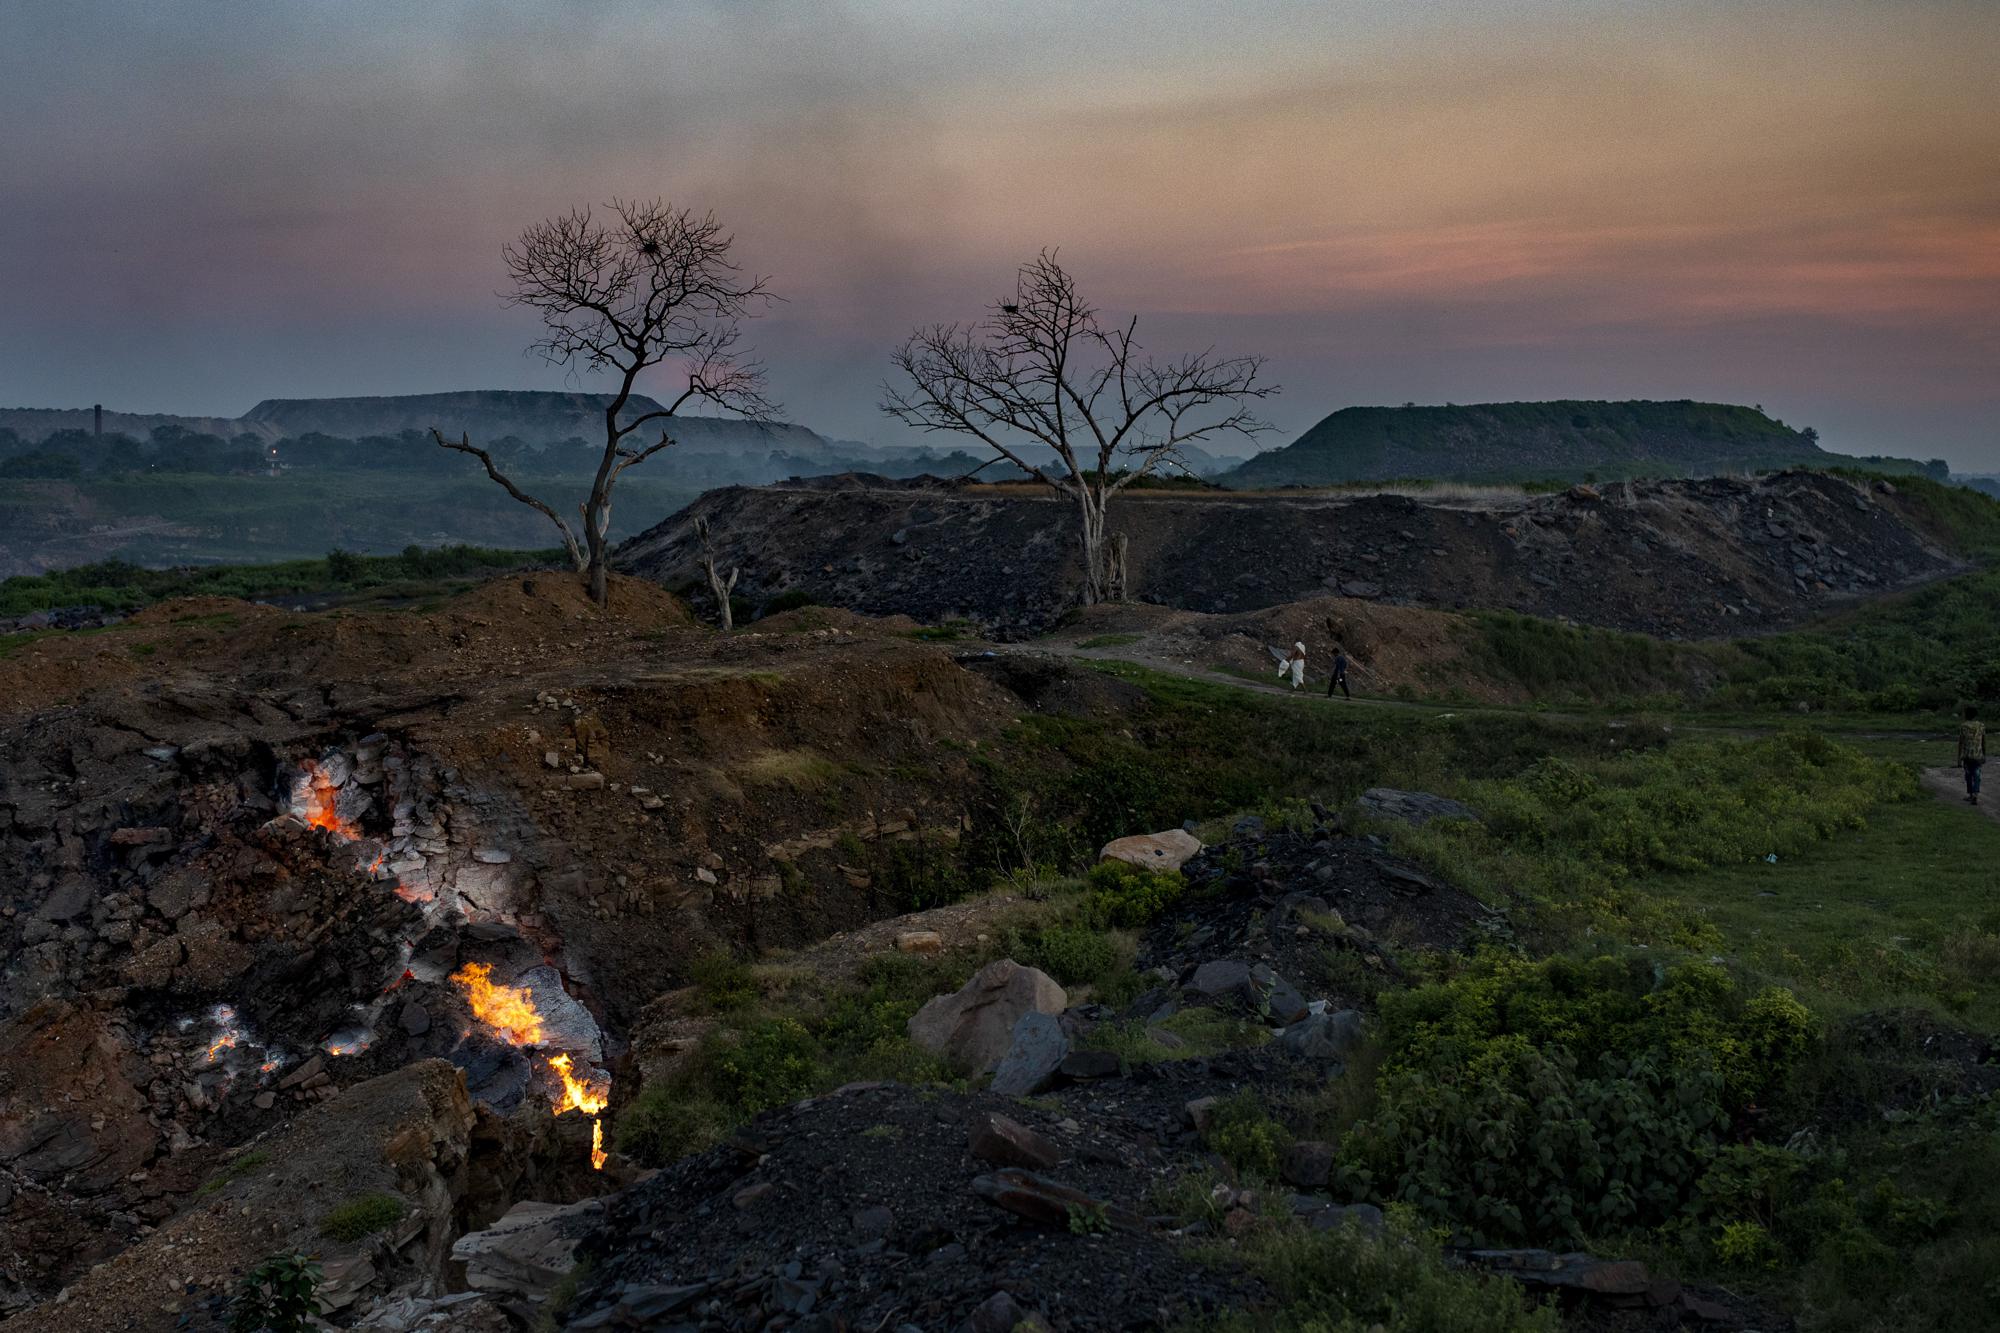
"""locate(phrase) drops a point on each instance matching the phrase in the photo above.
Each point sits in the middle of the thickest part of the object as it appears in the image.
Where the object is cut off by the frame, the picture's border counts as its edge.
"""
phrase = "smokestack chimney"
(99, 410)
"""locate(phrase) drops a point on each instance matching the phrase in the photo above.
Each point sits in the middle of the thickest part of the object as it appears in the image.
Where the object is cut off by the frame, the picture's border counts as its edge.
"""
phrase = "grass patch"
(363, 1215)
(118, 586)
(1905, 911)
(1111, 641)
(235, 1169)
(801, 770)
(1345, 1281)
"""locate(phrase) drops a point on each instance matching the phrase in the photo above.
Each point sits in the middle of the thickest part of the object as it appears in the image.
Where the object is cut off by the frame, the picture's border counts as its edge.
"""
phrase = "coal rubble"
(209, 932)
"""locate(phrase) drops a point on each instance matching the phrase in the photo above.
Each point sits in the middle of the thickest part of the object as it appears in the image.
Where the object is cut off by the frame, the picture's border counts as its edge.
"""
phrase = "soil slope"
(1671, 558)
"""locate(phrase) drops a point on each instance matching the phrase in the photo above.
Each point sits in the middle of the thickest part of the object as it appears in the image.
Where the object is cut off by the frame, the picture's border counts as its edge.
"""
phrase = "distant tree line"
(72, 454)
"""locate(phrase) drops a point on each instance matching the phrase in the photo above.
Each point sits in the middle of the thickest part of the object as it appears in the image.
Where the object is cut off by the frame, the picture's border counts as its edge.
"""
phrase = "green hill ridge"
(1553, 441)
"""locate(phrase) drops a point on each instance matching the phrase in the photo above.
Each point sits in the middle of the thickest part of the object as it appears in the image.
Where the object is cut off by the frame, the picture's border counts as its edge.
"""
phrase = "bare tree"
(1043, 369)
(718, 585)
(649, 285)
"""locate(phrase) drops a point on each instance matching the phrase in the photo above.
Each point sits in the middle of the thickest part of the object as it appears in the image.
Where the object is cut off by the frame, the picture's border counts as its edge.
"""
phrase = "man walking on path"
(1293, 664)
(1339, 673)
(1971, 752)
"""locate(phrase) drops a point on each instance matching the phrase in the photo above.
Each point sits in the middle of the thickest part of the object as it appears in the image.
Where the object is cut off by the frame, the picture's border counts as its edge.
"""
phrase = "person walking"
(1339, 673)
(1971, 752)
(1293, 664)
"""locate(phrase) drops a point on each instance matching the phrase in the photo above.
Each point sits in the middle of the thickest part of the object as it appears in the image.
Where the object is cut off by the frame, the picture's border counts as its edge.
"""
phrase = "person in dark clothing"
(1339, 680)
(1971, 752)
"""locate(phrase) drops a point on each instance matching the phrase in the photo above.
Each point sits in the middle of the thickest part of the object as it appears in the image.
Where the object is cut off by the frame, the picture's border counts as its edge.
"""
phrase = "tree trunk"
(1092, 532)
(596, 525)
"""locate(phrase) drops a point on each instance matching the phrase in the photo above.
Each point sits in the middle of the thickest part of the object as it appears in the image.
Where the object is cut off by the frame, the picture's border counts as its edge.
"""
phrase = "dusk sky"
(208, 202)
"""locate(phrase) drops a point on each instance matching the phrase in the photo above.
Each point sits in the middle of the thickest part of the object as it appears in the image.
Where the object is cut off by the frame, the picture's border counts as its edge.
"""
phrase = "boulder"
(1323, 1036)
(1050, 1202)
(919, 941)
(1083, 1066)
(1253, 985)
(972, 1029)
(528, 1251)
(1308, 1163)
(1153, 851)
(1004, 1142)
(1364, 1215)
(1030, 1064)
(1412, 807)
(1578, 1272)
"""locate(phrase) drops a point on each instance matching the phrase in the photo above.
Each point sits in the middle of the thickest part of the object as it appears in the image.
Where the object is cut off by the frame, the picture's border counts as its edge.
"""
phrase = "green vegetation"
(1930, 650)
(1346, 1281)
(1111, 641)
(1572, 838)
(235, 1169)
(117, 586)
(279, 1295)
(1058, 788)
(1558, 664)
(1567, 441)
(770, 1050)
(363, 1215)
(1904, 911)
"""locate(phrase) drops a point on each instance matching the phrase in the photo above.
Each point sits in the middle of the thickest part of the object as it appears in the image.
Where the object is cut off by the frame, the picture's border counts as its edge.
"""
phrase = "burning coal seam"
(431, 860)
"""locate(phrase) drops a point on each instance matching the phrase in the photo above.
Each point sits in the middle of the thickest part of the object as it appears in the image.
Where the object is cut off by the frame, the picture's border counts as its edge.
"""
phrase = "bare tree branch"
(644, 285)
(465, 445)
(1044, 371)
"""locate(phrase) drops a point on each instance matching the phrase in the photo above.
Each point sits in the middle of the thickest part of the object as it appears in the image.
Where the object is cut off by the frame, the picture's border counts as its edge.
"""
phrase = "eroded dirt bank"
(254, 859)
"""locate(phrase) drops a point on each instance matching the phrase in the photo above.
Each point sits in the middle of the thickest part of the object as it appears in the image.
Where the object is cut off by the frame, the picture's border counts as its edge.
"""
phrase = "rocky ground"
(1064, 1204)
(1684, 559)
(249, 856)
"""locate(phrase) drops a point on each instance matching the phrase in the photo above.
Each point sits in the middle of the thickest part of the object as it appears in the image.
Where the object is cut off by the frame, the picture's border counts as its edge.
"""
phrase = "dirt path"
(1948, 784)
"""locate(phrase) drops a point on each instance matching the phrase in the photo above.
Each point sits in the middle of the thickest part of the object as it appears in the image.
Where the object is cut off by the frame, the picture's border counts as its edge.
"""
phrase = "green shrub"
(279, 1295)
(1346, 1281)
(343, 566)
(1071, 954)
(363, 1215)
(1529, 1101)
(723, 981)
(1126, 897)
(666, 1123)
(771, 1064)
(1514, 1146)
(1243, 1134)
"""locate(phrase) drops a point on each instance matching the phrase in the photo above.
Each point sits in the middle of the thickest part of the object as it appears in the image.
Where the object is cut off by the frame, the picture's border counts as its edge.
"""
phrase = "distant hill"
(535, 417)
(532, 416)
(1531, 442)
(35, 424)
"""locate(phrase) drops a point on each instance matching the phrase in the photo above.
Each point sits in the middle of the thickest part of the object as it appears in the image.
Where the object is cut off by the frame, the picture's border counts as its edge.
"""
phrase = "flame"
(314, 804)
(508, 1010)
(351, 1041)
(577, 1094)
(580, 1096)
(227, 1032)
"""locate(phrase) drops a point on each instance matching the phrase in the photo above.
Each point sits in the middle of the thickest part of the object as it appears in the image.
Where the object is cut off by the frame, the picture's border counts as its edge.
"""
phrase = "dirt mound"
(1672, 558)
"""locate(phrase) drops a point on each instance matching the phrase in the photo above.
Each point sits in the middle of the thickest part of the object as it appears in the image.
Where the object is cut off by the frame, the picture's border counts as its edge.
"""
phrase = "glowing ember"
(350, 1041)
(580, 1096)
(313, 802)
(228, 1034)
(508, 1010)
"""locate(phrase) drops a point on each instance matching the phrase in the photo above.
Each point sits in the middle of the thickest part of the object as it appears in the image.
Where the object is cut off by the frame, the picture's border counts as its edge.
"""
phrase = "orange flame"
(223, 1041)
(508, 1010)
(316, 804)
(580, 1096)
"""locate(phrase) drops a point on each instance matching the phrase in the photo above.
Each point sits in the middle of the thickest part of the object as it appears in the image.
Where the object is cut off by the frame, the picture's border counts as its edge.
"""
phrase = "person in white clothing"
(1293, 664)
